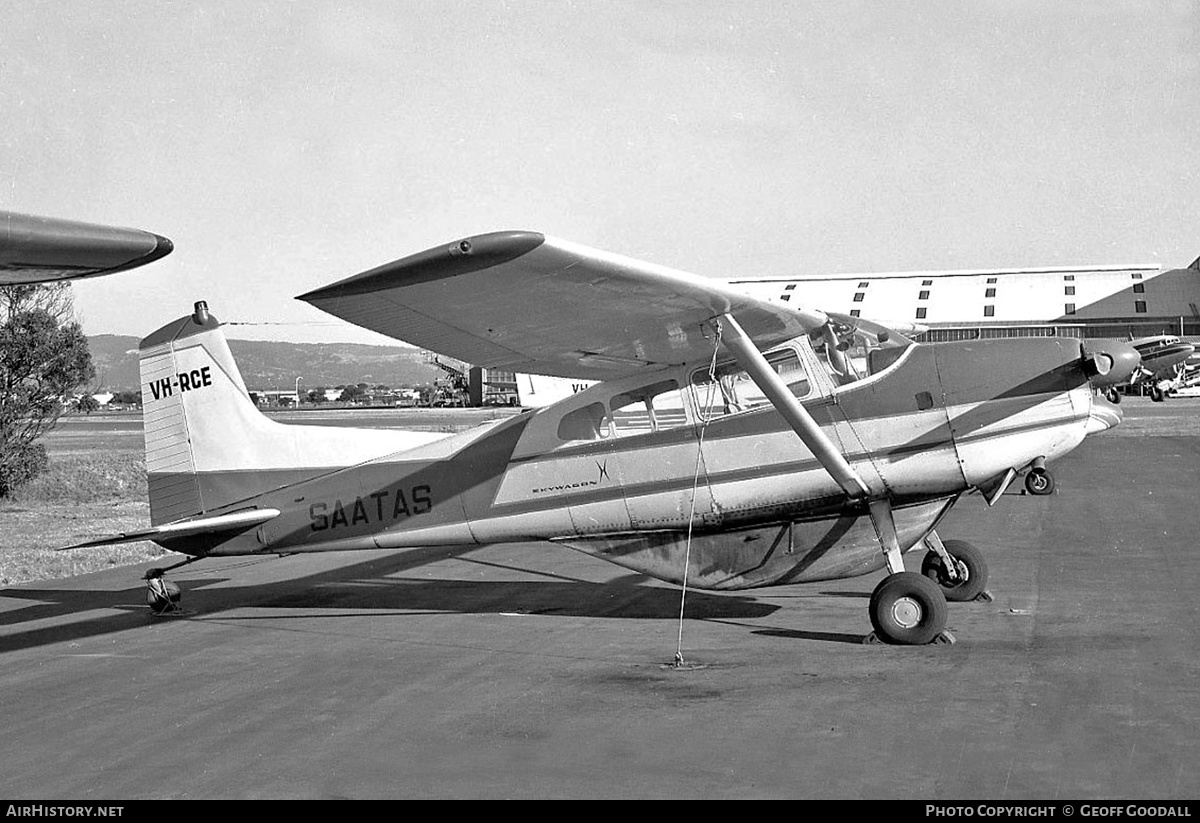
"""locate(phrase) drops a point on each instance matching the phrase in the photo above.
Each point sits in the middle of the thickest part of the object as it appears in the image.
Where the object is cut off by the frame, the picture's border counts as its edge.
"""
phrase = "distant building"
(1096, 301)
(266, 398)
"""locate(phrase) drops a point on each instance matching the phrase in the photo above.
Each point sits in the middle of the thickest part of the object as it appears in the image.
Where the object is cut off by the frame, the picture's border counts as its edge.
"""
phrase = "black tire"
(1156, 394)
(1039, 483)
(163, 598)
(976, 577)
(1113, 396)
(908, 609)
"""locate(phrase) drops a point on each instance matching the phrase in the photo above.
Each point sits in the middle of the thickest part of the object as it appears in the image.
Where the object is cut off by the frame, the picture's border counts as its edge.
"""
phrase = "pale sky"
(283, 145)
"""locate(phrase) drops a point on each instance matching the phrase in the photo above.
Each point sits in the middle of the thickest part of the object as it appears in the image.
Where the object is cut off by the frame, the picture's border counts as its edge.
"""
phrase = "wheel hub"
(960, 568)
(907, 612)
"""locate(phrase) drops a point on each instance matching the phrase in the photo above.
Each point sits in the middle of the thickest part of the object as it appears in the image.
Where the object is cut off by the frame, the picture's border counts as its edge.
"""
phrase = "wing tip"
(39, 249)
(463, 256)
(162, 247)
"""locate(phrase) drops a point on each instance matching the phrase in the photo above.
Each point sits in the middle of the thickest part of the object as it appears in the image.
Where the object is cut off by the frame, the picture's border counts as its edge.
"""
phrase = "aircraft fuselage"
(652, 473)
(1162, 353)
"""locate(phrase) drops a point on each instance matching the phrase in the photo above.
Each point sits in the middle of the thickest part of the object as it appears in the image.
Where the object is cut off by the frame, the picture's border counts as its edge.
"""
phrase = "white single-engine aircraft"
(46, 249)
(716, 449)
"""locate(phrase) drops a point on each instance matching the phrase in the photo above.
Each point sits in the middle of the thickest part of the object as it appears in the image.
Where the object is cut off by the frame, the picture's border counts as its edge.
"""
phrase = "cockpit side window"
(727, 389)
(650, 408)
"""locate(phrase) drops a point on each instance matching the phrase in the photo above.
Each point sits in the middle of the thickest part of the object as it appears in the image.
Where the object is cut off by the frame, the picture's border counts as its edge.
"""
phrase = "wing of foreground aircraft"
(43, 249)
(525, 302)
(530, 303)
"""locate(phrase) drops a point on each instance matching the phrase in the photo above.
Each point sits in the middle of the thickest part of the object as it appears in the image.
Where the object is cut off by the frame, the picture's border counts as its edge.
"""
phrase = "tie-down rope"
(704, 418)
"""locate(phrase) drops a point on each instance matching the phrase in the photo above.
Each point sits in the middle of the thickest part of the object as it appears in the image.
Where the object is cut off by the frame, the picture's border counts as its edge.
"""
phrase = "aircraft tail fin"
(537, 390)
(187, 373)
(207, 444)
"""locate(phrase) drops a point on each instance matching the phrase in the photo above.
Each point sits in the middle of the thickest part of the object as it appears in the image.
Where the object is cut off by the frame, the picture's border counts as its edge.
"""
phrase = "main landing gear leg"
(163, 596)
(906, 608)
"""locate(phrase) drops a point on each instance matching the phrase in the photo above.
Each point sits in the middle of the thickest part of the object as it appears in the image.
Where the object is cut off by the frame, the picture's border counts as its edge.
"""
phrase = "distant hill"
(274, 365)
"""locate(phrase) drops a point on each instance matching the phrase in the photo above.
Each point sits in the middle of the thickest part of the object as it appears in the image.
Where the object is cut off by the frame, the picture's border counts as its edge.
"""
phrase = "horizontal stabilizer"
(233, 522)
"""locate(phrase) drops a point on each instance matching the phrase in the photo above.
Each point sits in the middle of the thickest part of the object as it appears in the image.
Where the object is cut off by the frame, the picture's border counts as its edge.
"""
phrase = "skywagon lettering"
(184, 381)
(374, 508)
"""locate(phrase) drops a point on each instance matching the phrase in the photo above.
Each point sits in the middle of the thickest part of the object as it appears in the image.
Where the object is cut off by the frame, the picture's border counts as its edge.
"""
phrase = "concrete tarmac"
(528, 671)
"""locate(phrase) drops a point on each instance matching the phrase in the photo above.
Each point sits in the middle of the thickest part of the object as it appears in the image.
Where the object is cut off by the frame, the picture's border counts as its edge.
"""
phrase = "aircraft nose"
(1103, 415)
(1109, 362)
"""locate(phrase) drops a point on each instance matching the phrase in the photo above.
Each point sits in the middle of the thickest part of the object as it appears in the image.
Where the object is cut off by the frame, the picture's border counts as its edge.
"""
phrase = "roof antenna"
(200, 315)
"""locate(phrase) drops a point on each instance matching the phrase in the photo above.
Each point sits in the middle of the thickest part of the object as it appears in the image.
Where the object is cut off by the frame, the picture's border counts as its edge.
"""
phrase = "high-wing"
(40, 249)
(526, 302)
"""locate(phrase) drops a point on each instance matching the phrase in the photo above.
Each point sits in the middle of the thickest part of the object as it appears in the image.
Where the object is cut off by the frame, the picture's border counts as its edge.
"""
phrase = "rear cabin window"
(733, 391)
(584, 423)
(650, 408)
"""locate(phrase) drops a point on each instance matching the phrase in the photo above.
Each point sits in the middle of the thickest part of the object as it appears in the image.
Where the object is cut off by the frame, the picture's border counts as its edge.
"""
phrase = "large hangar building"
(1091, 301)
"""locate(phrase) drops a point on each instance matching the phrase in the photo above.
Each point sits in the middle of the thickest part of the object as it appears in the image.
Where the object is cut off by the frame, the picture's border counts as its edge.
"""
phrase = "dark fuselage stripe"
(592, 495)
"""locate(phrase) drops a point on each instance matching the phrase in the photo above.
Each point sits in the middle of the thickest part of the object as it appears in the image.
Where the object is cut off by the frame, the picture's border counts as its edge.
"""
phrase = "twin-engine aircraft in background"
(718, 447)
(47, 249)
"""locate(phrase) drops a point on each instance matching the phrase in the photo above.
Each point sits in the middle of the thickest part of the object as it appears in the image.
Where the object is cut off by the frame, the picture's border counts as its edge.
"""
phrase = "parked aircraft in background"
(1166, 366)
(718, 449)
(45, 249)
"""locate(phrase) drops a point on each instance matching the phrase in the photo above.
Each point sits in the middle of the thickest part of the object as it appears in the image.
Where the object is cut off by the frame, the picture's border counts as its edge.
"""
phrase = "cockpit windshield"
(853, 349)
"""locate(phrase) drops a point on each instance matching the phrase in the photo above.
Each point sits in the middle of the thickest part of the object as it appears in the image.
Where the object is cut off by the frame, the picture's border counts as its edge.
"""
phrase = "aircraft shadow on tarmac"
(360, 589)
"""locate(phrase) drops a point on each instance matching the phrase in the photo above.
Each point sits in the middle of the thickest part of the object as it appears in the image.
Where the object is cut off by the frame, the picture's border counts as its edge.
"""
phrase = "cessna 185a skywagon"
(719, 448)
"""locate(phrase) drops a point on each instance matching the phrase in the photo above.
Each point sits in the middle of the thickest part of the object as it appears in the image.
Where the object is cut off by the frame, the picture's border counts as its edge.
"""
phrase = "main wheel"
(1156, 394)
(1113, 396)
(973, 571)
(1039, 482)
(907, 609)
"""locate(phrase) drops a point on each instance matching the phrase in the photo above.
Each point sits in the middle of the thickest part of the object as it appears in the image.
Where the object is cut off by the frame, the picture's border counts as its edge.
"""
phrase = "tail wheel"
(1113, 396)
(972, 571)
(908, 609)
(162, 596)
(1039, 482)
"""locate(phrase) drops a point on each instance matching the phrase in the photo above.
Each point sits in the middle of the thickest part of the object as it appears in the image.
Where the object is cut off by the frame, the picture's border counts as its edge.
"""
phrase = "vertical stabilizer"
(208, 445)
(170, 465)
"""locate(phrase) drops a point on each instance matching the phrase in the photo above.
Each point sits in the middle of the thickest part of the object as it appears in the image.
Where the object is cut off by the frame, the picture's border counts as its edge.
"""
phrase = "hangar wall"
(1094, 301)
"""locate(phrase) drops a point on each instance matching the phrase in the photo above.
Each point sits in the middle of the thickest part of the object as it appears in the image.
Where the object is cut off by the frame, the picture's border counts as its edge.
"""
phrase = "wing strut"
(772, 385)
